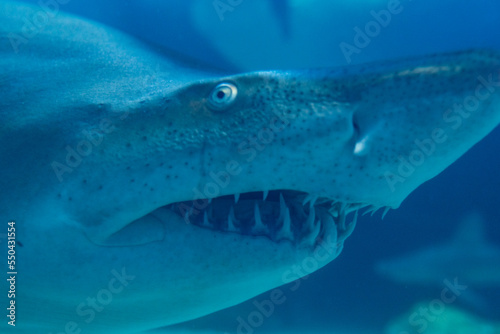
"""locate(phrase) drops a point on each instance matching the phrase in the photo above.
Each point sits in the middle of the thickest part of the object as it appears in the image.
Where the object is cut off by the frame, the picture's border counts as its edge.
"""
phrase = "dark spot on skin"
(152, 189)
(167, 176)
(85, 181)
(70, 199)
(100, 187)
(132, 181)
(186, 163)
(145, 184)
(59, 196)
(176, 177)
(129, 145)
(19, 243)
(161, 165)
(144, 138)
(147, 165)
(128, 167)
(170, 167)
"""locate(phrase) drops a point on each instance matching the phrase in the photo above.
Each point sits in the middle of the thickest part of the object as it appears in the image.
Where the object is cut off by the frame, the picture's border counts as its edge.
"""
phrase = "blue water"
(255, 35)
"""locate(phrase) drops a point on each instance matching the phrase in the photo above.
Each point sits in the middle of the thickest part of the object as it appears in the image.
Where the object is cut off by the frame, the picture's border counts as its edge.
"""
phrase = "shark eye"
(222, 96)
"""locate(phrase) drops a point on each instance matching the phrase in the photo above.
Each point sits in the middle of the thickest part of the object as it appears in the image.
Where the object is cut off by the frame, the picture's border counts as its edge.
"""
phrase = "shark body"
(147, 192)
(468, 256)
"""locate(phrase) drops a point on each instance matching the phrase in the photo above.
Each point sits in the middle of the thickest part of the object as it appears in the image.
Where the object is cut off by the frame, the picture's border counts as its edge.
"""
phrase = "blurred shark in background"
(273, 34)
(468, 256)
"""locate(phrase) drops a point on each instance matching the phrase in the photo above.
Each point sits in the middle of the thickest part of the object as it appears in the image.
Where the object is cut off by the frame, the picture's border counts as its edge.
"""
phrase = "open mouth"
(294, 216)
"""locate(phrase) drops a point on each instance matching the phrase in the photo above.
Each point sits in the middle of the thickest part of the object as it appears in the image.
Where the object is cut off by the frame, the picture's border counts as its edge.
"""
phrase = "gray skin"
(103, 244)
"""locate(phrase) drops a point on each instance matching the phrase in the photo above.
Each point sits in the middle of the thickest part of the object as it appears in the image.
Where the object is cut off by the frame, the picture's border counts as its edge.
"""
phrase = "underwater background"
(349, 295)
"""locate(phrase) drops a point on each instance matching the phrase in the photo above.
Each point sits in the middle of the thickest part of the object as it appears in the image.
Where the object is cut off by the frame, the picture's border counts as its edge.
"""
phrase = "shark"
(141, 190)
(467, 256)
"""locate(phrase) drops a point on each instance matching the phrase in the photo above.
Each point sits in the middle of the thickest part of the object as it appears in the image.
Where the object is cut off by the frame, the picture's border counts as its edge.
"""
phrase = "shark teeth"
(286, 229)
(312, 215)
(259, 227)
(206, 223)
(310, 238)
(385, 212)
(346, 231)
(299, 218)
(230, 221)
(309, 198)
(265, 193)
(186, 218)
(282, 208)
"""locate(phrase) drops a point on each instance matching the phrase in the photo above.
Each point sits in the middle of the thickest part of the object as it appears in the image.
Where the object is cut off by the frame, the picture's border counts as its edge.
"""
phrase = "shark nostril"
(355, 126)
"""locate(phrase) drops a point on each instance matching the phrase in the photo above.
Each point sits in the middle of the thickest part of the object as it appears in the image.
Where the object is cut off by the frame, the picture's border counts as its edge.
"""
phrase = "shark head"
(186, 191)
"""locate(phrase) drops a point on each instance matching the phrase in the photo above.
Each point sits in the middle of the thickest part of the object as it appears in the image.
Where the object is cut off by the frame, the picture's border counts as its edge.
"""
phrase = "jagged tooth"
(265, 193)
(186, 218)
(334, 212)
(286, 230)
(341, 220)
(322, 200)
(369, 210)
(282, 209)
(374, 210)
(206, 223)
(259, 227)
(385, 212)
(311, 237)
(236, 198)
(307, 198)
(314, 199)
(210, 200)
(354, 206)
(310, 198)
(347, 231)
(312, 216)
(230, 221)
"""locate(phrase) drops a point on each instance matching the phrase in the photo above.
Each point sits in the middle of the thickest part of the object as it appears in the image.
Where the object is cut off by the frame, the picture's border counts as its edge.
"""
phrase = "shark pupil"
(222, 96)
